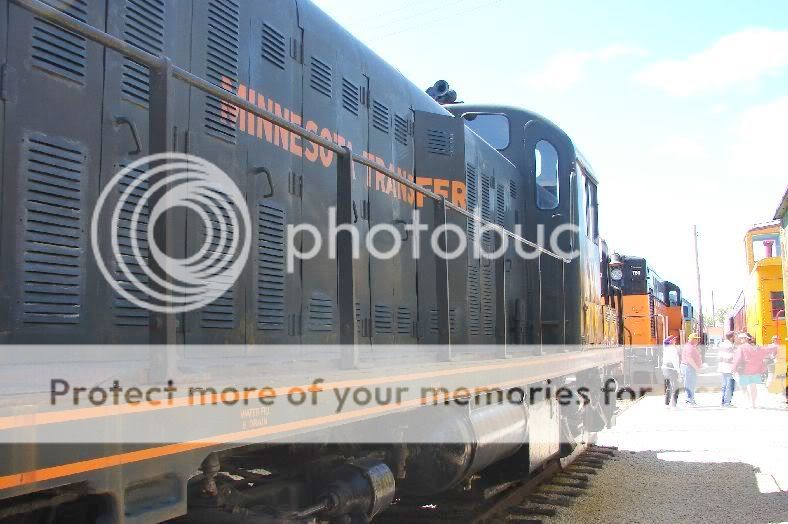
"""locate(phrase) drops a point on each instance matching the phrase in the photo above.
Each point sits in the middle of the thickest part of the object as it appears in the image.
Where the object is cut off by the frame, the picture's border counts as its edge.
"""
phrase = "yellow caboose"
(764, 294)
(781, 215)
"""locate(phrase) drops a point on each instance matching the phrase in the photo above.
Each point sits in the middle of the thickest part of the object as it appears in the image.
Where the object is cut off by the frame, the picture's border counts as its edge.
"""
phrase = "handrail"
(151, 61)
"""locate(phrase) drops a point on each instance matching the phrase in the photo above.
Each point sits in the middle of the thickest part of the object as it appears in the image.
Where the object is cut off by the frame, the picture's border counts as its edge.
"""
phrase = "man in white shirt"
(725, 367)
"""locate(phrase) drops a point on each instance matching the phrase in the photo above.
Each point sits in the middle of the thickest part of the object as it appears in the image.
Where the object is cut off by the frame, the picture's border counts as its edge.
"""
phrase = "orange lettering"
(241, 113)
(392, 186)
(251, 116)
(441, 187)
(262, 124)
(458, 193)
(312, 149)
(283, 134)
(226, 110)
(326, 155)
(426, 183)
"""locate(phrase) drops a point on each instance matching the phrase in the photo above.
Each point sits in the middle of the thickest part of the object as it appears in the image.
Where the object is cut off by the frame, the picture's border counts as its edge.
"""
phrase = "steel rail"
(149, 60)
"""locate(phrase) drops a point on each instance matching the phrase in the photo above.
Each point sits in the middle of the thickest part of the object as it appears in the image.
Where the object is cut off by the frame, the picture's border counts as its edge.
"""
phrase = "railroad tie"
(561, 491)
(572, 475)
(604, 449)
(598, 456)
(534, 510)
(590, 463)
(522, 519)
(558, 500)
(581, 469)
(567, 483)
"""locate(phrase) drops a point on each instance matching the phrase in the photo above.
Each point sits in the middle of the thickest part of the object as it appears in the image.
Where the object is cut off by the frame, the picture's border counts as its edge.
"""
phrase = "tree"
(720, 316)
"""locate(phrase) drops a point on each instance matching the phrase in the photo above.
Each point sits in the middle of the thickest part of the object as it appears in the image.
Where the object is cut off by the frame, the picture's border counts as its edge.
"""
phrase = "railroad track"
(555, 486)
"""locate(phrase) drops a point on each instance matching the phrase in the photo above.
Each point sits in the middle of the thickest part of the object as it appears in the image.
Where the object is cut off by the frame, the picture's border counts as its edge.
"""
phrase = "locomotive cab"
(560, 212)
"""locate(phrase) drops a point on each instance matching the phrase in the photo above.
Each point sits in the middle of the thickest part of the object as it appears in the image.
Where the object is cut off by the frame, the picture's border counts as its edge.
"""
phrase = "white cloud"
(756, 155)
(681, 147)
(737, 59)
(567, 68)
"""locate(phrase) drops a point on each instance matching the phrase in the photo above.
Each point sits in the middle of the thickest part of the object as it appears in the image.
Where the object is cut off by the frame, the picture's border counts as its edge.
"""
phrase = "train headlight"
(616, 273)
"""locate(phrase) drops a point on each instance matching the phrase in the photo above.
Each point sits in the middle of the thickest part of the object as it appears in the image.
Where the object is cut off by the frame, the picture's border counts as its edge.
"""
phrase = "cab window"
(592, 206)
(546, 173)
(494, 129)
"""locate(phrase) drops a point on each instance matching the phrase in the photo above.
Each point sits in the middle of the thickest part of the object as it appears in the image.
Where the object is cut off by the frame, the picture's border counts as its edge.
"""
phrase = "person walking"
(748, 362)
(690, 365)
(726, 352)
(670, 370)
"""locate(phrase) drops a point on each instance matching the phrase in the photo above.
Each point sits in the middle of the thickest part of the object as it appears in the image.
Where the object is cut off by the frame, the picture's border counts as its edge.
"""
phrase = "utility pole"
(713, 311)
(697, 273)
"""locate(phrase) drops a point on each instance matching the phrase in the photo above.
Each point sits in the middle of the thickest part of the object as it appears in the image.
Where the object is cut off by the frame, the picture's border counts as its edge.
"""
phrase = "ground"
(692, 464)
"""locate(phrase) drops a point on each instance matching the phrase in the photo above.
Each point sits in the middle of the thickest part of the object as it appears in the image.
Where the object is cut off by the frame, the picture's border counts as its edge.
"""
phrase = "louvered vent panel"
(488, 301)
(125, 312)
(222, 65)
(143, 28)
(271, 276)
(321, 313)
(384, 319)
(58, 51)
(381, 117)
(220, 314)
(500, 206)
(404, 320)
(474, 301)
(54, 231)
(76, 8)
(434, 320)
(274, 47)
(471, 183)
(440, 142)
(350, 96)
(513, 190)
(320, 77)
(401, 130)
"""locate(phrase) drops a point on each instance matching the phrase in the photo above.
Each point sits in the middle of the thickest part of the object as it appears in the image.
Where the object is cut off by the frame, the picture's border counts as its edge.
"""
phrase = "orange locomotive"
(653, 309)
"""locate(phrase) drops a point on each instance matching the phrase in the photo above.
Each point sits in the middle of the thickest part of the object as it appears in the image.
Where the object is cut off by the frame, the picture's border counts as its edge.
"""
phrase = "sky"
(680, 107)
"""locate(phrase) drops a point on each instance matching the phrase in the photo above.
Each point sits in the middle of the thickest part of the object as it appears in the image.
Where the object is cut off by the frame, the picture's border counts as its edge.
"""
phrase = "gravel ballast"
(690, 464)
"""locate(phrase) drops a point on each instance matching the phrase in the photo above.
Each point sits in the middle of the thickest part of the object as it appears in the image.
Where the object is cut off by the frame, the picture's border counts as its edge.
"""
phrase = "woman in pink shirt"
(748, 362)
(690, 365)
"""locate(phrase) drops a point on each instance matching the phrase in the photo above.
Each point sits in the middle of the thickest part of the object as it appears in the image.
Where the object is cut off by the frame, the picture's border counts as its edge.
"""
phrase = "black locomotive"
(77, 106)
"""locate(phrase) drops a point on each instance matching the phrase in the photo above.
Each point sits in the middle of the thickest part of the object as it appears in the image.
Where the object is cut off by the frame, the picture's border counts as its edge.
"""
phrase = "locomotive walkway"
(692, 464)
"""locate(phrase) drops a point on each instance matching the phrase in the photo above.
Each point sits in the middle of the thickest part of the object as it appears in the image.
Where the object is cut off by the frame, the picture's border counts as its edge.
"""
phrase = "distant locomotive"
(653, 309)
(77, 106)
